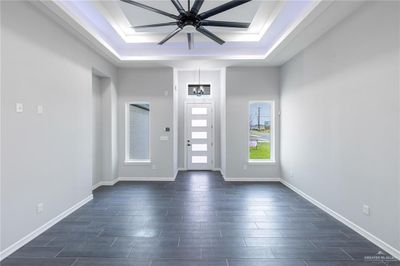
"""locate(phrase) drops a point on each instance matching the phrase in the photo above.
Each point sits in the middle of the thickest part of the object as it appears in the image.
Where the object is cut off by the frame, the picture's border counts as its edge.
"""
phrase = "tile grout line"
(347, 254)
(45, 245)
(115, 240)
(130, 252)
(312, 243)
(100, 232)
(75, 261)
(244, 242)
(58, 253)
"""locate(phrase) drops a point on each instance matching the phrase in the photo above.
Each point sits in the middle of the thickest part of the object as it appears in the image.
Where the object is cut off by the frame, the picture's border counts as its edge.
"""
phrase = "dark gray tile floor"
(198, 220)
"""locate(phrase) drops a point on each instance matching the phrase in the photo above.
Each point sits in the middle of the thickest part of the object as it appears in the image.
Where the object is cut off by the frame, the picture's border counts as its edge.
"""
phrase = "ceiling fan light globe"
(189, 29)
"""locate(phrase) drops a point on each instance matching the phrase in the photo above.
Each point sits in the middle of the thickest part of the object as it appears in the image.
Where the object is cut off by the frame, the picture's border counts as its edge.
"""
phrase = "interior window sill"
(137, 162)
(261, 162)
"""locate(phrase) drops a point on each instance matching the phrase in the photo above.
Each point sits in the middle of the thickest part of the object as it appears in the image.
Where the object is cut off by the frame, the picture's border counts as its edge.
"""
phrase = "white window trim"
(272, 159)
(127, 160)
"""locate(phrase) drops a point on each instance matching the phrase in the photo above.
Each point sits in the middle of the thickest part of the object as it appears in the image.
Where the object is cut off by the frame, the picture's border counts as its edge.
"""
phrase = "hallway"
(197, 220)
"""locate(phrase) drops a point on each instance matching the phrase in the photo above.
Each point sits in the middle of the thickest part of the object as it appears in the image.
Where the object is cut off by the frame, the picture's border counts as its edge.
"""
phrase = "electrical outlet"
(19, 107)
(39, 208)
(153, 166)
(365, 209)
(245, 167)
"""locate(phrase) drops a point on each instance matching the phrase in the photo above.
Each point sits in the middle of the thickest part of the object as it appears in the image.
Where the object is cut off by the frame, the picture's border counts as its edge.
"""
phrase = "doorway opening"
(199, 119)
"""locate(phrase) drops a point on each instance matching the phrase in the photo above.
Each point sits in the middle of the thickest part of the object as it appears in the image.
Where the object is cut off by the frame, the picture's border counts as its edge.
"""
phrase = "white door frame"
(200, 101)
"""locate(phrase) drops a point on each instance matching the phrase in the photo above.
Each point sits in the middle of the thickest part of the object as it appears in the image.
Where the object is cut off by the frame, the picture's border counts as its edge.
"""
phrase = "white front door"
(199, 136)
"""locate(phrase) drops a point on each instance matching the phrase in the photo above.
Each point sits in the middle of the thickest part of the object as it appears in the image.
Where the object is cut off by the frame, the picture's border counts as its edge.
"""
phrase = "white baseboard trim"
(222, 173)
(129, 178)
(105, 183)
(377, 241)
(212, 169)
(23, 241)
(252, 179)
(148, 178)
(96, 186)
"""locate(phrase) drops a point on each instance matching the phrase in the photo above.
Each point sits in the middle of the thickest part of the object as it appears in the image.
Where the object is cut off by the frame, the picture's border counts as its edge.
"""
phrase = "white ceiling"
(255, 12)
(274, 25)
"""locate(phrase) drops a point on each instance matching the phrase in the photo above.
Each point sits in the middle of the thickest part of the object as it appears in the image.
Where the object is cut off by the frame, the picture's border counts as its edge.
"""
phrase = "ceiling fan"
(192, 18)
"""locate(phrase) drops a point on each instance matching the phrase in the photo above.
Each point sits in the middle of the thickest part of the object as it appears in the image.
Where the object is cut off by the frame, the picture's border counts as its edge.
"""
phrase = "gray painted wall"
(97, 116)
(45, 158)
(110, 130)
(148, 85)
(341, 118)
(244, 85)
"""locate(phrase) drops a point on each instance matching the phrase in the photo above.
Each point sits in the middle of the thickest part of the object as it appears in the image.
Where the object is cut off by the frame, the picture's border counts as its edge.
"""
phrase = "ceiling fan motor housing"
(188, 19)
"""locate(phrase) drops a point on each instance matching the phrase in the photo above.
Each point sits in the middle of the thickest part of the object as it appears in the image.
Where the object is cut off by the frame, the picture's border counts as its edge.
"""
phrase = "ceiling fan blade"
(196, 6)
(155, 25)
(229, 24)
(169, 36)
(150, 8)
(210, 35)
(190, 40)
(178, 6)
(222, 8)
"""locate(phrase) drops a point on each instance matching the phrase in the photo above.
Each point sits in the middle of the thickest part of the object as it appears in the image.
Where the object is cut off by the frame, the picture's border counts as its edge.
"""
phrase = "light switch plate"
(19, 107)
(40, 109)
(366, 209)
(39, 208)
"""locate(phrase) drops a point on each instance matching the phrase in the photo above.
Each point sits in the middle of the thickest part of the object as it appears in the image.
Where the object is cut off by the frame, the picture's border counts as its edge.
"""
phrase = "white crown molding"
(29, 237)
(374, 239)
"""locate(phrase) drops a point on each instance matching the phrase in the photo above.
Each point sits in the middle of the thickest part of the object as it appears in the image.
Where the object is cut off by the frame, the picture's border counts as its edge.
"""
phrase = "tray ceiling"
(110, 23)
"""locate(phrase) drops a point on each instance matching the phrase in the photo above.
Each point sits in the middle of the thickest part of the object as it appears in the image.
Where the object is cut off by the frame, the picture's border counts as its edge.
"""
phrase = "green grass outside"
(262, 151)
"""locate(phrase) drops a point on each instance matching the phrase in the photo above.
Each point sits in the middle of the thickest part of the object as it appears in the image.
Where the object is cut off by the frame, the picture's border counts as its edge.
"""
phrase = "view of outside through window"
(139, 118)
(260, 116)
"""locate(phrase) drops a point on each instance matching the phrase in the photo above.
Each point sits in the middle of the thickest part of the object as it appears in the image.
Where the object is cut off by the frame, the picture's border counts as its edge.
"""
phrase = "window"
(199, 89)
(137, 132)
(261, 137)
